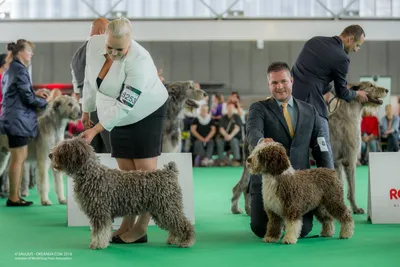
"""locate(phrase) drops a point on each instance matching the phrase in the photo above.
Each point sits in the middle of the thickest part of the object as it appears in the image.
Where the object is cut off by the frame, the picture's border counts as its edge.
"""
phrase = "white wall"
(201, 30)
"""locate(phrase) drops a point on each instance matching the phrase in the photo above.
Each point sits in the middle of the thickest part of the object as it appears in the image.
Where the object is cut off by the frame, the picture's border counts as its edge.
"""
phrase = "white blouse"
(129, 92)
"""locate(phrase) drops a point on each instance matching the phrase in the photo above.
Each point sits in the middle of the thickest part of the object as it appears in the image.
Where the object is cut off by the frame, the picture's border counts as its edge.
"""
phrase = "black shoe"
(20, 203)
(116, 239)
(29, 202)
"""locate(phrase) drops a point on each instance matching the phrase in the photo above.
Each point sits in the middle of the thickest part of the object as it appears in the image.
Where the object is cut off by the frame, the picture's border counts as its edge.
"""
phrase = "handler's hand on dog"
(267, 140)
(363, 96)
(42, 95)
(88, 135)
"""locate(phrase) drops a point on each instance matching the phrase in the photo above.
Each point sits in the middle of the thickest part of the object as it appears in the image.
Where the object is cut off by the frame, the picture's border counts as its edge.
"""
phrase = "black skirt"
(139, 140)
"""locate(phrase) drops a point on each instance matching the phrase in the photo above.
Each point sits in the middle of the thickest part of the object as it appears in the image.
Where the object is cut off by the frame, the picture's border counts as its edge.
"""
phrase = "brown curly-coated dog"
(104, 193)
(289, 194)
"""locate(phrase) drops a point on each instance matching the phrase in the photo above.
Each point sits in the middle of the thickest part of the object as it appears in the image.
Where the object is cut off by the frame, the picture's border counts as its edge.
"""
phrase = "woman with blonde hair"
(19, 113)
(122, 83)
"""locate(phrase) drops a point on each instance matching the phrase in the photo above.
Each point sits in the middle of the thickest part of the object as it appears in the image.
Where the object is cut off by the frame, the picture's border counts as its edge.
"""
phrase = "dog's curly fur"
(181, 96)
(345, 134)
(51, 127)
(104, 193)
(289, 194)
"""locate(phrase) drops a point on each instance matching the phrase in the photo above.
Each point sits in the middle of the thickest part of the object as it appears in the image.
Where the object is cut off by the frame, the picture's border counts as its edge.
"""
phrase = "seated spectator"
(203, 130)
(231, 133)
(369, 135)
(390, 129)
(217, 106)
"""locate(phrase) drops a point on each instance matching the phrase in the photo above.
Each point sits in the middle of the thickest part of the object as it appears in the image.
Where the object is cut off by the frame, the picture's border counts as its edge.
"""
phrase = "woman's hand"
(88, 135)
(87, 123)
(42, 94)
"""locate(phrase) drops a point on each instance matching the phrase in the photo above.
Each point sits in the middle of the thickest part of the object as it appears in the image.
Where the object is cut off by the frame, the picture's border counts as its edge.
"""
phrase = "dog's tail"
(171, 166)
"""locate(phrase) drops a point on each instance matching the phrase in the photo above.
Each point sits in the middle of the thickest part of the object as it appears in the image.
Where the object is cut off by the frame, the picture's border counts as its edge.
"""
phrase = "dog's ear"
(56, 104)
(355, 87)
(274, 159)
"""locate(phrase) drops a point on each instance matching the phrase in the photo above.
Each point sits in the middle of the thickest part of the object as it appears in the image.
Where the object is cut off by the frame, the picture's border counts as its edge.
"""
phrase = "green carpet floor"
(223, 239)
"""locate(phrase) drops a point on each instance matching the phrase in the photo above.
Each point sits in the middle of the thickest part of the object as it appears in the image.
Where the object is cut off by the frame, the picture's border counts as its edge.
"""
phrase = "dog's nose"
(387, 91)
(205, 94)
(51, 155)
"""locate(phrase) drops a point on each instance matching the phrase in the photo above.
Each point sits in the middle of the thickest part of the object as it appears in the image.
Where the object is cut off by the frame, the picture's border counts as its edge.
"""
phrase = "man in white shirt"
(100, 143)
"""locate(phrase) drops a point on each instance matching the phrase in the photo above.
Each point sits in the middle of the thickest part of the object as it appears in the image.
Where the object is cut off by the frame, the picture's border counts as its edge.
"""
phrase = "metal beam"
(345, 8)
(229, 8)
(210, 8)
(91, 8)
(326, 8)
(112, 8)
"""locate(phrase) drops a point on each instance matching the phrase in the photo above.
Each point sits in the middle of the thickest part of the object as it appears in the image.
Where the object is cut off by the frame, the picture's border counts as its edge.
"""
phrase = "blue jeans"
(325, 130)
(372, 148)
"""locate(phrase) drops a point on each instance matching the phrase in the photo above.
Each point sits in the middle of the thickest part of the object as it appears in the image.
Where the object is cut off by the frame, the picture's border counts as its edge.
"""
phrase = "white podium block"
(75, 217)
(384, 188)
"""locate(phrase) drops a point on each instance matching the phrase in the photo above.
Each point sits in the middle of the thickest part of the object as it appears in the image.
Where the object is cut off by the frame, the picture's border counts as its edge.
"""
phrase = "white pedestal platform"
(75, 217)
(384, 188)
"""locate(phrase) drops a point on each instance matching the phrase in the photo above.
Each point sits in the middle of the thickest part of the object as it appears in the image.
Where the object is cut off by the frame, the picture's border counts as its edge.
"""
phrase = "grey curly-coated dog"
(289, 194)
(104, 193)
(345, 135)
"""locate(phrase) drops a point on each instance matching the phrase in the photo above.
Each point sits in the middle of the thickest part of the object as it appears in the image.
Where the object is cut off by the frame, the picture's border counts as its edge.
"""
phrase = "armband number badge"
(129, 96)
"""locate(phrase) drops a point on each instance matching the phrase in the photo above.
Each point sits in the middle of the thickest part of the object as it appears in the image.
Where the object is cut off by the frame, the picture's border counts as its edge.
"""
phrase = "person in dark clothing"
(321, 61)
(19, 113)
(291, 122)
(101, 142)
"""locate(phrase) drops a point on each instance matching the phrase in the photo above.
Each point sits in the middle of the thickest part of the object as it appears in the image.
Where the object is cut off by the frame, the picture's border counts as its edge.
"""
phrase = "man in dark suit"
(291, 122)
(101, 142)
(321, 61)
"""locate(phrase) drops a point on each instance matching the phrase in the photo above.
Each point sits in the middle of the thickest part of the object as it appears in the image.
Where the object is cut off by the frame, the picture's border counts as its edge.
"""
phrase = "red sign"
(394, 194)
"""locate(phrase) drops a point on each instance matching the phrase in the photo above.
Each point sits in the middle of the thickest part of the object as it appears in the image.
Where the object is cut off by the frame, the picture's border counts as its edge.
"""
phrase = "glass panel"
(74, 9)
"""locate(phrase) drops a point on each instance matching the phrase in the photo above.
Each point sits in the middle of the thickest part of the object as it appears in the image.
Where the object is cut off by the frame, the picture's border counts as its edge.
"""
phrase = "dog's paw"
(98, 245)
(46, 202)
(327, 233)
(269, 239)
(346, 233)
(171, 240)
(358, 211)
(62, 201)
(187, 244)
(236, 210)
(289, 240)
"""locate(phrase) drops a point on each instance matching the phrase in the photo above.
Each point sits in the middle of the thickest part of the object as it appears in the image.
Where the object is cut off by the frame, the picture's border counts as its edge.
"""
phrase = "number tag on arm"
(129, 96)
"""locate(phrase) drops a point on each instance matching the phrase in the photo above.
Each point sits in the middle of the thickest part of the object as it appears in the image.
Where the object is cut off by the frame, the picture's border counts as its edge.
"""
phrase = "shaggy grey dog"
(345, 135)
(181, 96)
(51, 127)
(289, 194)
(104, 193)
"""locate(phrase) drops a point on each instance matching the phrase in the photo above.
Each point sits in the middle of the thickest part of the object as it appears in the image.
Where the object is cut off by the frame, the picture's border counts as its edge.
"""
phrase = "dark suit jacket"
(78, 64)
(265, 120)
(321, 61)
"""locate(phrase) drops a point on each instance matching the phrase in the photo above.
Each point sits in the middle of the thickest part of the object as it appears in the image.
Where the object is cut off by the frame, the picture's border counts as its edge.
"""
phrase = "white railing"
(198, 9)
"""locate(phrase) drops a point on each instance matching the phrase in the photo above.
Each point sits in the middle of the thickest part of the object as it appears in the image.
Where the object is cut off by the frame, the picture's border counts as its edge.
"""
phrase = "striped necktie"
(288, 119)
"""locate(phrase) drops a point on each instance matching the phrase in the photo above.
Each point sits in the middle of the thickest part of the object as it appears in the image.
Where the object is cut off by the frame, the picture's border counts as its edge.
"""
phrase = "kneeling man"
(293, 123)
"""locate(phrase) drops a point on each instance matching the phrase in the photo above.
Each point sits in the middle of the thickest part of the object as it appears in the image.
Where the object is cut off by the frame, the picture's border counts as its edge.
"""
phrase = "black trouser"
(101, 142)
(259, 218)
